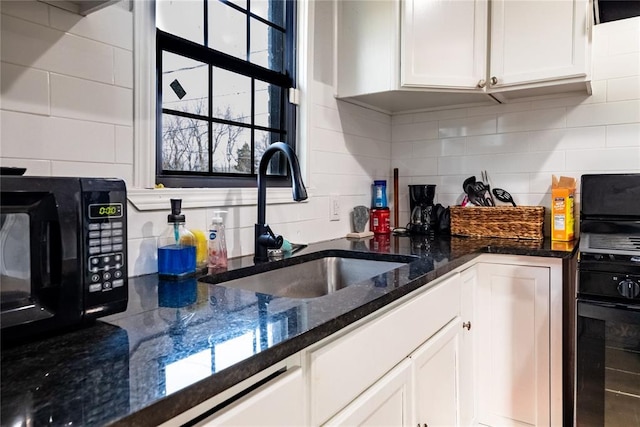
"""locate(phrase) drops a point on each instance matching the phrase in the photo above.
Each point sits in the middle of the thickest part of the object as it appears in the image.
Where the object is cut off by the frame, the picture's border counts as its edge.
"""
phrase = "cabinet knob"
(494, 81)
(466, 325)
(482, 83)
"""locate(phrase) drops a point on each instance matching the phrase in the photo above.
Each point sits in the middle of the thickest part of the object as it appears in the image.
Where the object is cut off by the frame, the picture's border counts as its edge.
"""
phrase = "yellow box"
(563, 191)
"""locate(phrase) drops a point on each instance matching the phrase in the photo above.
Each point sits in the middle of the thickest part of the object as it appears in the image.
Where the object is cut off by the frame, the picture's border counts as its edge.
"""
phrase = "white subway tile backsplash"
(567, 139)
(124, 144)
(497, 143)
(32, 45)
(24, 89)
(402, 150)
(325, 118)
(532, 120)
(97, 25)
(438, 147)
(414, 131)
(87, 169)
(623, 89)
(417, 166)
(123, 67)
(85, 100)
(604, 114)
(33, 11)
(623, 135)
(53, 138)
(468, 126)
(626, 39)
(617, 66)
(610, 159)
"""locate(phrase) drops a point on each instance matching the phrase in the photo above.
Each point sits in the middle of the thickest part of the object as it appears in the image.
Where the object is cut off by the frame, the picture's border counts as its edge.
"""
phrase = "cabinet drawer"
(343, 369)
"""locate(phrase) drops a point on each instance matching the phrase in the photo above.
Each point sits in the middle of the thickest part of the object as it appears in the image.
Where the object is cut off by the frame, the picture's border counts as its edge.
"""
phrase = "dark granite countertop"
(180, 343)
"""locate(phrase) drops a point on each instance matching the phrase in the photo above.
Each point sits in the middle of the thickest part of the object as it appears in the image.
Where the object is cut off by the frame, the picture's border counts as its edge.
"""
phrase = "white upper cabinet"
(401, 55)
(443, 43)
(539, 44)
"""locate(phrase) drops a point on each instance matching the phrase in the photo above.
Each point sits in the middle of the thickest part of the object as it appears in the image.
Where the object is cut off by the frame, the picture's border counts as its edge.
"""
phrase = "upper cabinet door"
(538, 40)
(444, 43)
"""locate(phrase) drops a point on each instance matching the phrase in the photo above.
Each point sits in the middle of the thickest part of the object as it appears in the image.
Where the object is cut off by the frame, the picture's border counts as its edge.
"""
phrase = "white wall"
(521, 145)
(66, 109)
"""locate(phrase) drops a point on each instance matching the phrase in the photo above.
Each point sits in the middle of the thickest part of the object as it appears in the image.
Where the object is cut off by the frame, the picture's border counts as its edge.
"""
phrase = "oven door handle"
(629, 313)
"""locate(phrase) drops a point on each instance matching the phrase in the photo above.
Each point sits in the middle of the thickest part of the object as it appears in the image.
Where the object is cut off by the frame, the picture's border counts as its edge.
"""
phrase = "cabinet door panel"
(443, 43)
(468, 280)
(534, 41)
(436, 377)
(277, 403)
(383, 404)
(513, 345)
(346, 367)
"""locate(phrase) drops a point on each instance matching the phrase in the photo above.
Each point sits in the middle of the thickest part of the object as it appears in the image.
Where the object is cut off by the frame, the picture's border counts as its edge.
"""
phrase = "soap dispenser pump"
(176, 246)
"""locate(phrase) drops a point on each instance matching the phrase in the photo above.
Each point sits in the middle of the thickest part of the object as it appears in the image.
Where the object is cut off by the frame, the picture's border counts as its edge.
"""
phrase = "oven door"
(608, 364)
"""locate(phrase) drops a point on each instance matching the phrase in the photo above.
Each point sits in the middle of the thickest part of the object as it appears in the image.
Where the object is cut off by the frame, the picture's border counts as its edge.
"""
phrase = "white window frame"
(143, 195)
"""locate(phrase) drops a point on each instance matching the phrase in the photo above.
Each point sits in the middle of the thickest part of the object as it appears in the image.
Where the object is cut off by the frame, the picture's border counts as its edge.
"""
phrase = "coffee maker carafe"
(421, 204)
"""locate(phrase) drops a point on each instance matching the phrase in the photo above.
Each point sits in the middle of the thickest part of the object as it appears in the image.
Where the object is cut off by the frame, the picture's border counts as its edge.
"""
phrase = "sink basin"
(320, 275)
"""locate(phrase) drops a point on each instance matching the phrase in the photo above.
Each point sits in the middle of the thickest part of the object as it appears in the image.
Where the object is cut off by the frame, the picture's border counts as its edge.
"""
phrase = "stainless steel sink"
(315, 278)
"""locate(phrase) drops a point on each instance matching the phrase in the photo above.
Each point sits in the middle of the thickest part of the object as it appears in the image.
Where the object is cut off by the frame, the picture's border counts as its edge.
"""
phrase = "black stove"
(608, 302)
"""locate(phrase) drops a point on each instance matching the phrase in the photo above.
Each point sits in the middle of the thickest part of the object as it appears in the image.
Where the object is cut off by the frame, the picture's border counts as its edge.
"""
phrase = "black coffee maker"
(422, 219)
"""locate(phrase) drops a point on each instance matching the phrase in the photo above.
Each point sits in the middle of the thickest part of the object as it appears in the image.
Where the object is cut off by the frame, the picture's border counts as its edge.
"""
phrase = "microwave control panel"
(105, 242)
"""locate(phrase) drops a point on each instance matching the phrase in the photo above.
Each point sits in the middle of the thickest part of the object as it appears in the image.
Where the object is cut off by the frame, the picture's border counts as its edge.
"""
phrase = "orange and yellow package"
(563, 191)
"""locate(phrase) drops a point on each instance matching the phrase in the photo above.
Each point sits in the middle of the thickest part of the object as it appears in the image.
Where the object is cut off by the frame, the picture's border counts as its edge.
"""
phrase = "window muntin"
(219, 108)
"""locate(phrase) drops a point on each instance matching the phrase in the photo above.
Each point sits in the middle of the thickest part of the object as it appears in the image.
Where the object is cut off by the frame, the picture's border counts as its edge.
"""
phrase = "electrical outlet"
(334, 207)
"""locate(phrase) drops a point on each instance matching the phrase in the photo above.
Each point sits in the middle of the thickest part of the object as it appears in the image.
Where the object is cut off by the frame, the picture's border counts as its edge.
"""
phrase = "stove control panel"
(609, 285)
(629, 288)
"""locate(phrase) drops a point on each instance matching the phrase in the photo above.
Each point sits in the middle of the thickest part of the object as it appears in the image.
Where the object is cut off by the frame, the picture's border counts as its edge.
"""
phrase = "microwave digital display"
(105, 210)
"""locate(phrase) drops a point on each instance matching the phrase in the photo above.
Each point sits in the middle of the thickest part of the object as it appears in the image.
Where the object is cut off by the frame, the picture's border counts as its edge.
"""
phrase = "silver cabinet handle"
(482, 83)
(466, 325)
(494, 81)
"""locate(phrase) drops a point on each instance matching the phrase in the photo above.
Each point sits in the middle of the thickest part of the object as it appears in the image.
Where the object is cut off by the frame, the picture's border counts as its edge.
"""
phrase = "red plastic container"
(380, 221)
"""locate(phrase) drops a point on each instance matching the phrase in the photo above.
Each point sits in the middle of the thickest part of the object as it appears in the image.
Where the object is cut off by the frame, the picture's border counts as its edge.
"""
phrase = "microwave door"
(30, 260)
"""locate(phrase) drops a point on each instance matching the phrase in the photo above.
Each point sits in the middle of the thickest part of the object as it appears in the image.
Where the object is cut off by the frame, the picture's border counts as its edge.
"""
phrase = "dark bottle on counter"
(176, 246)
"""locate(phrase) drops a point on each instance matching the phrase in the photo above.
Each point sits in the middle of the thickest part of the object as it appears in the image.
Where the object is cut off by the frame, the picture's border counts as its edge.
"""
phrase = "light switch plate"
(334, 207)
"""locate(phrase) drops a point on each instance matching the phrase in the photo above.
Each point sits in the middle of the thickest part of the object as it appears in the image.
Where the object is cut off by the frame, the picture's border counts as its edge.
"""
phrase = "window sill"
(159, 198)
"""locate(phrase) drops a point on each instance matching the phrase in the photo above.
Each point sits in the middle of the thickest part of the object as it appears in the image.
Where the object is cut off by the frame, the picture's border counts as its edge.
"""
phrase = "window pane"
(267, 105)
(184, 84)
(264, 38)
(228, 141)
(271, 10)
(231, 96)
(184, 18)
(227, 30)
(278, 163)
(185, 144)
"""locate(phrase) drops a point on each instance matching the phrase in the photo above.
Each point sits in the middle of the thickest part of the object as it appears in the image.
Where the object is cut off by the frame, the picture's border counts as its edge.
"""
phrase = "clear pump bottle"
(176, 246)
(217, 245)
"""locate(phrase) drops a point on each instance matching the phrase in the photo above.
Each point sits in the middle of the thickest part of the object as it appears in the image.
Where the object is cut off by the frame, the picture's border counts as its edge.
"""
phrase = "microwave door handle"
(51, 254)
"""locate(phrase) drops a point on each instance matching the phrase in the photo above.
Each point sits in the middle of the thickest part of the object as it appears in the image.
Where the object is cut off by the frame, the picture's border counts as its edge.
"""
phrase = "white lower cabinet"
(517, 341)
(386, 403)
(279, 402)
(345, 368)
(436, 367)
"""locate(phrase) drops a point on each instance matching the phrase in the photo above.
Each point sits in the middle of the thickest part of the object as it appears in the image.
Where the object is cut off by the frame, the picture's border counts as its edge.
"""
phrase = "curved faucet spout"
(299, 194)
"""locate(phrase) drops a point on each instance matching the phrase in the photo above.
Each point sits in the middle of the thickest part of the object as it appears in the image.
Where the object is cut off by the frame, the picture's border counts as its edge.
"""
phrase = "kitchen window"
(224, 70)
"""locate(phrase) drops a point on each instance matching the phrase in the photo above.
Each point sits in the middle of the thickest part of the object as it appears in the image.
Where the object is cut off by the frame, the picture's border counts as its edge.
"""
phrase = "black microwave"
(63, 253)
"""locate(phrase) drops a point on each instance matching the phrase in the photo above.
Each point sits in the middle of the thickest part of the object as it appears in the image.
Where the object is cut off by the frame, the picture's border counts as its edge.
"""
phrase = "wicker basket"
(521, 222)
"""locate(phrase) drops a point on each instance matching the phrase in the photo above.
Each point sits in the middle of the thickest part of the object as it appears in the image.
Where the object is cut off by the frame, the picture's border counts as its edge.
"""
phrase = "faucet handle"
(270, 240)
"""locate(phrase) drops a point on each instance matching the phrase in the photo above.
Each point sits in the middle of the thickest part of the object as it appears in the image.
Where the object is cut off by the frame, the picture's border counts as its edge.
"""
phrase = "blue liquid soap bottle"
(379, 199)
(176, 246)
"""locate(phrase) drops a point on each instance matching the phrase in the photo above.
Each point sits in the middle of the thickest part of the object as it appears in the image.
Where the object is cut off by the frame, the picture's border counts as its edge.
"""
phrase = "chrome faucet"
(264, 237)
